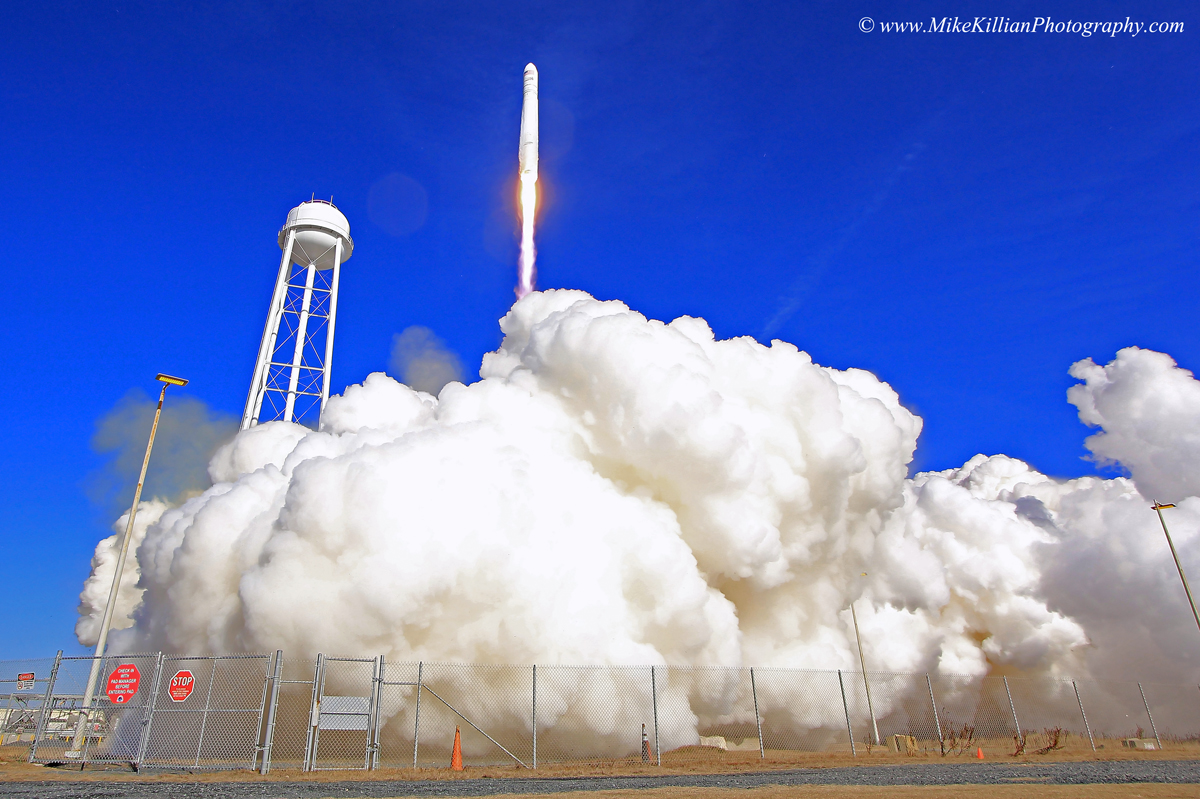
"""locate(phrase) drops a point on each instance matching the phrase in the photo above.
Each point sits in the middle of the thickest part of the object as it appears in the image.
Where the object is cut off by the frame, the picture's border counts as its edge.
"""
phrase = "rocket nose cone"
(531, 69)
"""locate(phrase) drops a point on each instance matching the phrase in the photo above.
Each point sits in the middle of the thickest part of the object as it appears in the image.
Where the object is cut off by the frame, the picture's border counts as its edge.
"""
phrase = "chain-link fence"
(22, 694)
(264, 711)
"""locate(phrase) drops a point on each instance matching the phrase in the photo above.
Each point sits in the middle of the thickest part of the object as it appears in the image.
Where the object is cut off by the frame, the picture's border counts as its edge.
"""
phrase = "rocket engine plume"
(528, 162)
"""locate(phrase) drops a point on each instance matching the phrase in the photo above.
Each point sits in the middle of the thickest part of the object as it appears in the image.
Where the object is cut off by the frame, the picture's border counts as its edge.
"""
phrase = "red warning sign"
(123, 683)
(181, 685)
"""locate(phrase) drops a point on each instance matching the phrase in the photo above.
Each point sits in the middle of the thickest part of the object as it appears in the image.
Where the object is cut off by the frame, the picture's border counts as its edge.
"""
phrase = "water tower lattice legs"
(291, 379)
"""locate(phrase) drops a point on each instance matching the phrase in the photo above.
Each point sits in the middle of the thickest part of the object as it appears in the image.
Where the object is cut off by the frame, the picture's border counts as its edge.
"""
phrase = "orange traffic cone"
(456, 755)
(979, 753)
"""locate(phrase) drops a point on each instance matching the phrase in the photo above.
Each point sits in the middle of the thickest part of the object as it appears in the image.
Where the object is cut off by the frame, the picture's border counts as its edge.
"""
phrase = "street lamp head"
(174, 381)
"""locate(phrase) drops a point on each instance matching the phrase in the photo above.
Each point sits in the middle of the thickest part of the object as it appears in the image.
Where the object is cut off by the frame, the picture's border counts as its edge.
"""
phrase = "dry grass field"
(909, 792)
(686, 760)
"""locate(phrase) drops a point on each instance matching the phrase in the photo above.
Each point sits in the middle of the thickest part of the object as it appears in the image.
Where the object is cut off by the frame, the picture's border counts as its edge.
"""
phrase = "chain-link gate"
(112, 728)
(345, 701)
(165, 711)
(207, 712)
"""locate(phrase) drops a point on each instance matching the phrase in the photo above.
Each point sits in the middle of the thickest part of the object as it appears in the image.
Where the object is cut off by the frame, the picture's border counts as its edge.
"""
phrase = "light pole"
(1159, 508)
(85, 712)
(866, 682)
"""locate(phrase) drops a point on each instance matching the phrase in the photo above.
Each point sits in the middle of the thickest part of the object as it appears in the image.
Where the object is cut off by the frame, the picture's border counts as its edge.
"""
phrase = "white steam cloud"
(616, 490)
(1149, 412)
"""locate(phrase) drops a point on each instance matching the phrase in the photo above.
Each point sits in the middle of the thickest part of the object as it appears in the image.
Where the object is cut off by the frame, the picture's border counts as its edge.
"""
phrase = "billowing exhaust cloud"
(695, 501)
(188, 435)
(94, 596)
(1149, 412)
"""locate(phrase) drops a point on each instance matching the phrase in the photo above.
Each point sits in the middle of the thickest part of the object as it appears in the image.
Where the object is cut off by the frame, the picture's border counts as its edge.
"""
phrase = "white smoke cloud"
(616, 490)
(188, 436)
(97, 587)
(1147, 407)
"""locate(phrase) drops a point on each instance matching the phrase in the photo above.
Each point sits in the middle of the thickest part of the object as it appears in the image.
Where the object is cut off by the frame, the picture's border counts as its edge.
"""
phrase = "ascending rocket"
(528, 156)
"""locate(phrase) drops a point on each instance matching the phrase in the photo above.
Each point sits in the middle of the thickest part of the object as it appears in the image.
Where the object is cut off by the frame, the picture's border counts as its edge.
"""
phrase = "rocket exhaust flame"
(528, 164)
(528, 274)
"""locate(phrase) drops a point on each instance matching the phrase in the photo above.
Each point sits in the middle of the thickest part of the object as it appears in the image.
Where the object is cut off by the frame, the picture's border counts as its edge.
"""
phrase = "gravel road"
(1088, 773)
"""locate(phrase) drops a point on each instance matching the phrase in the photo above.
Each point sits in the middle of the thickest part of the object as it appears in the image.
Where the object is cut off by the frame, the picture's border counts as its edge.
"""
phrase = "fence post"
(1013, 708)
(259, 731)
(654, 701)
(269, 734)
(936, 721)
(40, 730)
(1154, 729)
(846, 707)
(148, 713)
(762, 753)
(417, 722)
(212, 676)
(373, 718)
(535, 715)
(1083, 713)
(371, 760)
(314, 715)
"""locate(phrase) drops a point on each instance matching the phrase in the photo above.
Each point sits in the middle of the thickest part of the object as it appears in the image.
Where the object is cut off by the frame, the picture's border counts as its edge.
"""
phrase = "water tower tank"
(318, 225)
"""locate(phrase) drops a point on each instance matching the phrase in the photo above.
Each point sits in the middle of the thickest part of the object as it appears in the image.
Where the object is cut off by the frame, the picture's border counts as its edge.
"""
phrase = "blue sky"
(964, 215)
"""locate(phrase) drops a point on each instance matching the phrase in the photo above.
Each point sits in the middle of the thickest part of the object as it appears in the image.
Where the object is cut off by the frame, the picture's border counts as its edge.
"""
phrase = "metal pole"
(862, 662)
(417, 722)
(267, 348)
(937, 722)
(1153, 728)
(1159, 507)
(535, 715)
(314, 713)
(846, 707)
(47, 700)
(316, 720)
(376, 702)
(654, 698)
(102, 641)
(268, 740)
(330, 323)
(148, 713)
(1083, 713)
(301, 340)
(1013, 708)
(212, 676)
(762, 753)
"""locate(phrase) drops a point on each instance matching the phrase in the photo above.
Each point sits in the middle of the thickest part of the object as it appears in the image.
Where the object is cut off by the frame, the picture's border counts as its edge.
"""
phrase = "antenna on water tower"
(291, 377)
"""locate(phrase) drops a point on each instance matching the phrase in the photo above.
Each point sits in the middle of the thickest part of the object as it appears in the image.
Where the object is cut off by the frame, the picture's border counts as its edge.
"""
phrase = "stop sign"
(181, 685)
(123, 683)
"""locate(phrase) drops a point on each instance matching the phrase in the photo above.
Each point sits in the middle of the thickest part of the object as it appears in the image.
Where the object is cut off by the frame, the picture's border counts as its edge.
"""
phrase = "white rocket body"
(528, 156)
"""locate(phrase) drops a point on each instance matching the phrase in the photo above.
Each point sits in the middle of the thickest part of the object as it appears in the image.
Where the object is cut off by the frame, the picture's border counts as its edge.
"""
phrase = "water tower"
(291, 378)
